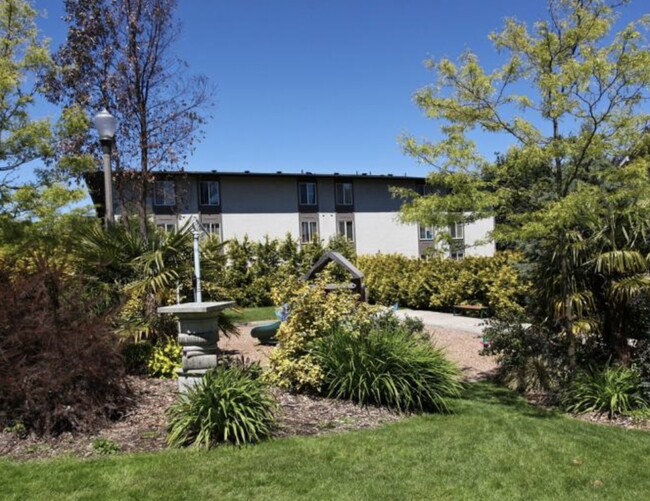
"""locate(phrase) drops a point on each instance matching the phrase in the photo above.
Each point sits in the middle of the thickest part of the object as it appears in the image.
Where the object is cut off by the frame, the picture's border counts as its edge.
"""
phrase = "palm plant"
(143, 272)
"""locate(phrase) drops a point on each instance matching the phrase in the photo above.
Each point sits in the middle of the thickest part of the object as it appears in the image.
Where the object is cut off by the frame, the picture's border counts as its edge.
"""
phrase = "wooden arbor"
(356, 276)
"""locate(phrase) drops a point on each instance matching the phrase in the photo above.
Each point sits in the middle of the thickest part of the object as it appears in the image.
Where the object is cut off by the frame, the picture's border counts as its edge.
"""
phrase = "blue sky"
(324, 86)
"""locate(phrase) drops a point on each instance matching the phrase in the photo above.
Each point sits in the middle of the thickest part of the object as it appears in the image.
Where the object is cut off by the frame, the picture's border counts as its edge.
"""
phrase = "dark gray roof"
(357, 175)
(337, 258)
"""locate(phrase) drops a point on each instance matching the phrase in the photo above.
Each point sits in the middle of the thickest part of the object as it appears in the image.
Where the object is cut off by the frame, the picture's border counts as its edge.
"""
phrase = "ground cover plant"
(384, 364)
(230, 404)
(613, 390)
(494, 447)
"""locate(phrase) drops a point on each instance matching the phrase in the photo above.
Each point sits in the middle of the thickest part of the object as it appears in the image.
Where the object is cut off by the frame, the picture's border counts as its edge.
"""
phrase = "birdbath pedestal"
(198, 333)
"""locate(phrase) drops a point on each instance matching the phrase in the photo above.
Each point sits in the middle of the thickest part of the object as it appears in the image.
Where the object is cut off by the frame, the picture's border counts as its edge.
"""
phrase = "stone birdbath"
(198, 327)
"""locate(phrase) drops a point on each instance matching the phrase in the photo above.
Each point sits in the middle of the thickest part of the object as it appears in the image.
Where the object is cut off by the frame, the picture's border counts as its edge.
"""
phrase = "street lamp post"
(106, 125)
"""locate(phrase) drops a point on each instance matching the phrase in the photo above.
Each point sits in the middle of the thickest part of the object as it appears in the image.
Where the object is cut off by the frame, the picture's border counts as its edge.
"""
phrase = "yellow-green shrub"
(313, 313)
(439, 284)
(165, 359)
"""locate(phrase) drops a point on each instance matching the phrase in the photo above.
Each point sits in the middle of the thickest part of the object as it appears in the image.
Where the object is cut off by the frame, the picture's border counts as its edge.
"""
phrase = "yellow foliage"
(313, 313)
(165, 360)
(439, 284)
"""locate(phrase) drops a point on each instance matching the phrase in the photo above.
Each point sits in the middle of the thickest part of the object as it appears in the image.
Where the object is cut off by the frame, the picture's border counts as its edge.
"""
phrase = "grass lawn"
(245, 315)
(494, 447)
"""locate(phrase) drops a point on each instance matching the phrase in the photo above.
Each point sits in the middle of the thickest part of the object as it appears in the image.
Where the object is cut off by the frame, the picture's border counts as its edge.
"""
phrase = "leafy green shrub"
(387, 366)
(615, 390)
(230, 404)
(254, 269)
(528, 358)
(137, 356)
(442, 283)
(165, 359)
(17, 429)
(60, 367)
(313, 313)
(105, 446)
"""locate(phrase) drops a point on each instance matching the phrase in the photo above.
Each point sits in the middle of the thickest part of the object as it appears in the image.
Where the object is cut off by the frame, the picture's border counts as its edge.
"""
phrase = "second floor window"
(344, 194)
(307, 194)
(209, 193)
(164, 192)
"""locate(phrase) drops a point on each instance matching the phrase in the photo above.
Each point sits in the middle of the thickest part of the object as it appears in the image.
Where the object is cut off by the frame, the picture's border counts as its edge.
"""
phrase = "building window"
(425, 189)
(307, 193)
(346, 229)
(213, 229)
(426, 232)
(209, 192)
(457, 255)
(457, 231)
(164, 192)
(344, 194)
(308, 231)
(169, 227)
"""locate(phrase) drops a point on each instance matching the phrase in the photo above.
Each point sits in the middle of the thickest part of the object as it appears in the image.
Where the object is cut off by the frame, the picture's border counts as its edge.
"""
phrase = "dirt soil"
(143, 429)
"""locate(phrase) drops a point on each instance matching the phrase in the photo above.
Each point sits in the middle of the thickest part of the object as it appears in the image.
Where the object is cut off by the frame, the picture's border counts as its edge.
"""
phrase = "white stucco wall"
(184, 218)
(257, 226)
(326, 225)
(382, 232)
(476, 238)
(374, 231)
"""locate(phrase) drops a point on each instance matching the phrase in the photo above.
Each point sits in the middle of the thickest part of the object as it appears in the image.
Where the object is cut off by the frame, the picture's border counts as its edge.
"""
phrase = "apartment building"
(359, 207)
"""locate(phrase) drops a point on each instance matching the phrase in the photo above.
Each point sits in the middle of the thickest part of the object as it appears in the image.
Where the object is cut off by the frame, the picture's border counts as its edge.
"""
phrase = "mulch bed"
(143, 429)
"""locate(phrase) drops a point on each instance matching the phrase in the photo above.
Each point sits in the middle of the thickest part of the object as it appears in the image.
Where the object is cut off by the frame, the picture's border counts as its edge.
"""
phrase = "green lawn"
(245, 315)
(495, 447)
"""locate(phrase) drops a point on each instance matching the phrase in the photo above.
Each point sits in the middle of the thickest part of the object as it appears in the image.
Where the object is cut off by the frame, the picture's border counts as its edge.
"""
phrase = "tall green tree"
(573, 187)
(34, 209)
(24, 61)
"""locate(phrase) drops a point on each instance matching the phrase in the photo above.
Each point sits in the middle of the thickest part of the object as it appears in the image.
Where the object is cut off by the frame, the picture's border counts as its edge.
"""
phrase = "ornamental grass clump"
(231, 404)
(389, 367)
(614, 390)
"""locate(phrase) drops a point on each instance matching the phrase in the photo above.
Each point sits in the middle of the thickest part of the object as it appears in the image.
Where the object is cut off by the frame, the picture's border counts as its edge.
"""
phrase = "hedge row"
(252, 269)
(439, 284)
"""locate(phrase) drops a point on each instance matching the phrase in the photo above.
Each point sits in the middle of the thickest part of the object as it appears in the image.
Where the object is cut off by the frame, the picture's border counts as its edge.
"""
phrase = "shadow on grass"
(490, 393)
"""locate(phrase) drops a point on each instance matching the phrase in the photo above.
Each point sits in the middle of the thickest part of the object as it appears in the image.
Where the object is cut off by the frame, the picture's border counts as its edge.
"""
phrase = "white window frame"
(209, 202)
(426, 233)
(165, 226)
(345, 225)
(307, 200)
(457, 231)
(457, 255)
(311, 233)
(340, 189)
(212, 228)
(166, 187)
